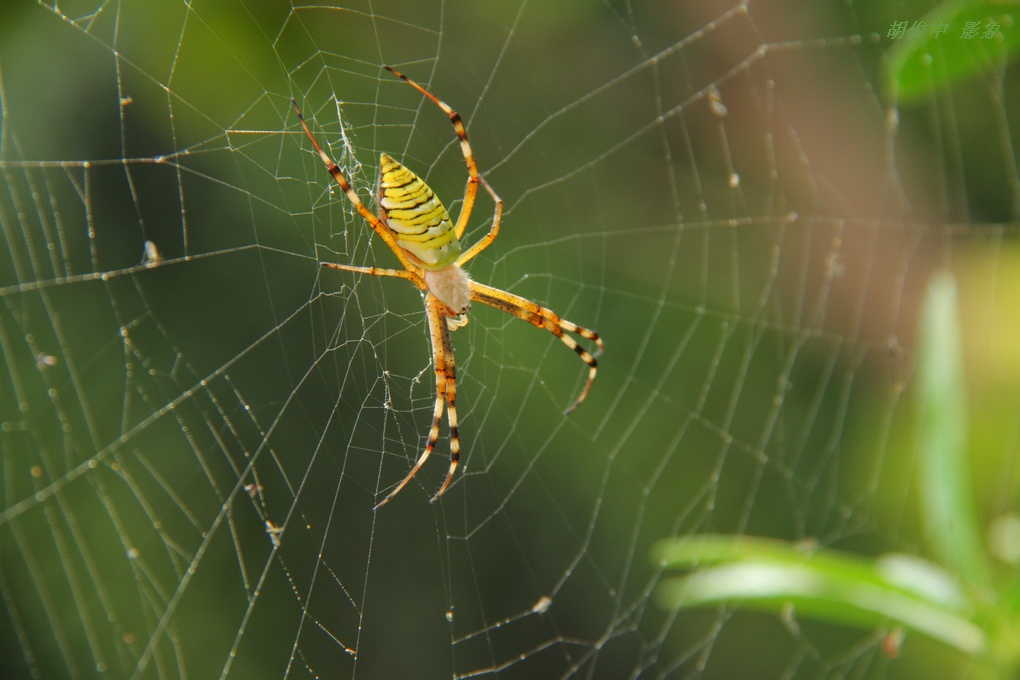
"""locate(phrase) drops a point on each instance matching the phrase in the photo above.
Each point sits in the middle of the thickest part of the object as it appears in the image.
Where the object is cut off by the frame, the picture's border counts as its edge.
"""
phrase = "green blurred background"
(723, 191)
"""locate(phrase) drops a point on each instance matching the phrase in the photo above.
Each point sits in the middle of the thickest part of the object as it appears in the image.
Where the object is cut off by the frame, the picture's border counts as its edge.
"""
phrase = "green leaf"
(947, 497)
(923, 62)
(824, 584)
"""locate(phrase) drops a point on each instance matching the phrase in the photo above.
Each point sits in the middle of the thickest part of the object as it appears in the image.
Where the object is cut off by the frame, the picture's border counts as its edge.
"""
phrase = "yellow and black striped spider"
(417, 228)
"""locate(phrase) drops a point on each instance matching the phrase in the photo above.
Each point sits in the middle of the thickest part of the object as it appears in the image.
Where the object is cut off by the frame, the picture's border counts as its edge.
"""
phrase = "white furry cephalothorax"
(452, 286)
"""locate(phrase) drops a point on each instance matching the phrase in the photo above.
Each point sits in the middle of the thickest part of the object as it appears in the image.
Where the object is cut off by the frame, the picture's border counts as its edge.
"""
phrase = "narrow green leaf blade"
(822, 584)
(947, 497)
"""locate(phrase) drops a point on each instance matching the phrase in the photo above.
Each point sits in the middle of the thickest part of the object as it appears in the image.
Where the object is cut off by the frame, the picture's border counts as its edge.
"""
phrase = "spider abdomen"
(452, 286)
(416, 216)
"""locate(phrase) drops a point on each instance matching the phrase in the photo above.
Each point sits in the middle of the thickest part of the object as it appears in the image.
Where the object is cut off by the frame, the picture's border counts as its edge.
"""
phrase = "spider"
(417, 228)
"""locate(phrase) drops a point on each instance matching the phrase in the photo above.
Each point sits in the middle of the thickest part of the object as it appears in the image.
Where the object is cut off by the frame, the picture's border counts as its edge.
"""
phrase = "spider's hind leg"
(446, 394)
(540, 316)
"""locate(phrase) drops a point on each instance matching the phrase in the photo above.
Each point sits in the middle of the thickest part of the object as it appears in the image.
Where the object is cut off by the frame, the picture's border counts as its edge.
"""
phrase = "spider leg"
(486, 241)
(450, 373)
(471, 190)
(375, 271)
(377, 225)
(545, 318)
(446, 393)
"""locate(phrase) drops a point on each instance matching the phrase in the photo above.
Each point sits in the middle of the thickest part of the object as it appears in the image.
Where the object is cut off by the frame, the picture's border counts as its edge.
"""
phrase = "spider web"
(196, 419)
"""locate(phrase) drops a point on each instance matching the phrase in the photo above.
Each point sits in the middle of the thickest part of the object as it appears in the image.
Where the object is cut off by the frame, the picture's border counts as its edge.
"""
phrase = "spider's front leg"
(446, 394)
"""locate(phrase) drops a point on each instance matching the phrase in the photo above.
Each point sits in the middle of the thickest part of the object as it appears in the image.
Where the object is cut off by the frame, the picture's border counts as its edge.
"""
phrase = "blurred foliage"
(962, 608)
(956, 40)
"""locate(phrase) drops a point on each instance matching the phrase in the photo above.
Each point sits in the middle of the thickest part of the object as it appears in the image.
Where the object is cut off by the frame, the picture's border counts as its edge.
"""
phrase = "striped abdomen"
(416, 217)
